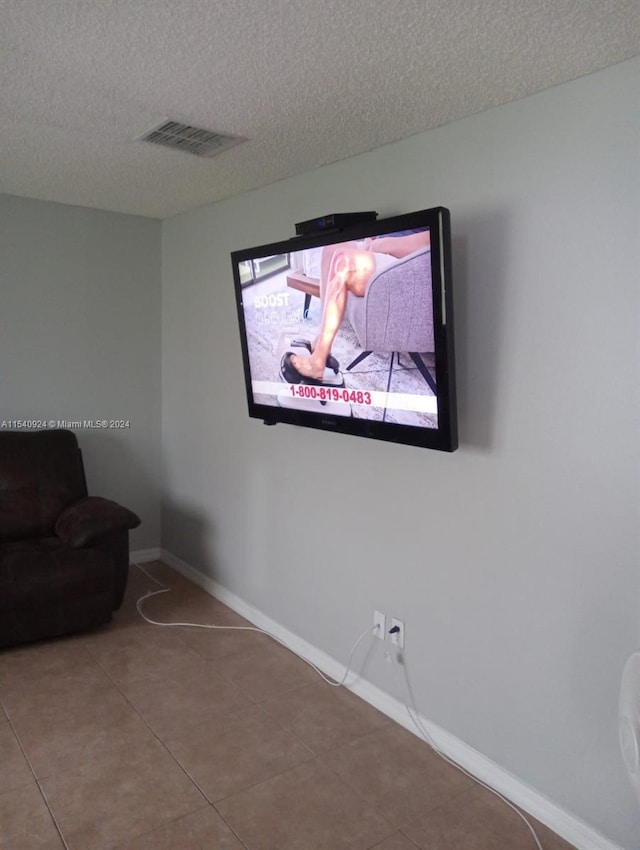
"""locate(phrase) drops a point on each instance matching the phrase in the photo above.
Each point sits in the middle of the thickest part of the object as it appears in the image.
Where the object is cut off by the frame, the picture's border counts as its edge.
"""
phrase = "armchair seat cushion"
(36, 573)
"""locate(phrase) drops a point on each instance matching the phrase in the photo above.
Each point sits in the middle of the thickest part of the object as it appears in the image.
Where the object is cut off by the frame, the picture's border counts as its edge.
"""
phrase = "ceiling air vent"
(194, 140)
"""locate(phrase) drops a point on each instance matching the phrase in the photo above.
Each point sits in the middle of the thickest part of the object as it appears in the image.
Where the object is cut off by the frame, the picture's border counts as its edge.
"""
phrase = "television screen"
(351, 329)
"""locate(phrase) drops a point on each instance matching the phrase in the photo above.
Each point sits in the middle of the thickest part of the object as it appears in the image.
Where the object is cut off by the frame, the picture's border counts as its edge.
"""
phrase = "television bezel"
(445, 436)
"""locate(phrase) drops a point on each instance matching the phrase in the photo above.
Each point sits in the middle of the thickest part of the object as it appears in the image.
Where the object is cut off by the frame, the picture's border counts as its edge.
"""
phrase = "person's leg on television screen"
(345, 269)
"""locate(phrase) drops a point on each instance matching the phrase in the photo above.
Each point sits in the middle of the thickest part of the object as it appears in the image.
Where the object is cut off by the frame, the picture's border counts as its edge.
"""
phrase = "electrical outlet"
(379, 624)
(397, 638)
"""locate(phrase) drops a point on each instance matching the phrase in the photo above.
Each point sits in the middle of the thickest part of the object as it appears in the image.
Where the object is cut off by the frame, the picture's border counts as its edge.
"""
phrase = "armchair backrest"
(41, 473)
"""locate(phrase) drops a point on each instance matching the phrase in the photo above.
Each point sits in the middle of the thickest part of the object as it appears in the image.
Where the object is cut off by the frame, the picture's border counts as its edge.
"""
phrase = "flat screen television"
(350, 329)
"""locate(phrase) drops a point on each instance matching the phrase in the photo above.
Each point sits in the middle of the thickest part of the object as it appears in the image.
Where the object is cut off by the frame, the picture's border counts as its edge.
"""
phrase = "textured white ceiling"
(305, 81)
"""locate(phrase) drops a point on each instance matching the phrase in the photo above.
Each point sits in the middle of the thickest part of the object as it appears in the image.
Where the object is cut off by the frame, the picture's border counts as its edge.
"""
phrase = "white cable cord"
(414, 714)
(165, 589)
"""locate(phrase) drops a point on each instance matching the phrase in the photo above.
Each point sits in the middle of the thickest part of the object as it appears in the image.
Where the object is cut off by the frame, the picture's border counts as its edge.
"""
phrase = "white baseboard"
(142, 555)
(566, 825)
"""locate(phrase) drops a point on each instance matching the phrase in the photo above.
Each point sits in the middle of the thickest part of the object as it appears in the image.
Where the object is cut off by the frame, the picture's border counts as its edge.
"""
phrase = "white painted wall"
(80, 339)
(514, 562)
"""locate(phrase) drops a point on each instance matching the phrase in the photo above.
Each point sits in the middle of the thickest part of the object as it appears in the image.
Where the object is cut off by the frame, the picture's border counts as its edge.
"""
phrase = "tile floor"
(136, 737)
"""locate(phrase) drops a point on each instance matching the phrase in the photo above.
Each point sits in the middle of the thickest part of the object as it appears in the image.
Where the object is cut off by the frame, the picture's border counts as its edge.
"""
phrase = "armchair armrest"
(90, 518)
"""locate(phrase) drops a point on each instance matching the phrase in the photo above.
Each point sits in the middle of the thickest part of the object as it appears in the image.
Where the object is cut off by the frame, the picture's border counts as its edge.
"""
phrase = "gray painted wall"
(80, 339)
(514, 562)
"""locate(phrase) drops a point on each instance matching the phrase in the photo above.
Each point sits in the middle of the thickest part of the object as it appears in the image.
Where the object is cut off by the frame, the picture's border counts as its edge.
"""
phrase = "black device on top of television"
(333, 221)
(352, 331)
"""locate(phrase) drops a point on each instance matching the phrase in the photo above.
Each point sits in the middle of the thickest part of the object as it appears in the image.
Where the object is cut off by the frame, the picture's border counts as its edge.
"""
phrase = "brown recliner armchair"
(64, 555)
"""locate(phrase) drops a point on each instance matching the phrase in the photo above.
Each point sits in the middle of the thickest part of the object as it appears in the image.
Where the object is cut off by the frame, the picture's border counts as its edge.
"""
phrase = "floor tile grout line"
(51, 812)
(153, 829)
(325, 751)
(360, 794)
(229, 826)
(248, 788)
(399, 832)
(258, 782)
(37, 781)
(406, 837)
(284, 728)
(287, 770)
